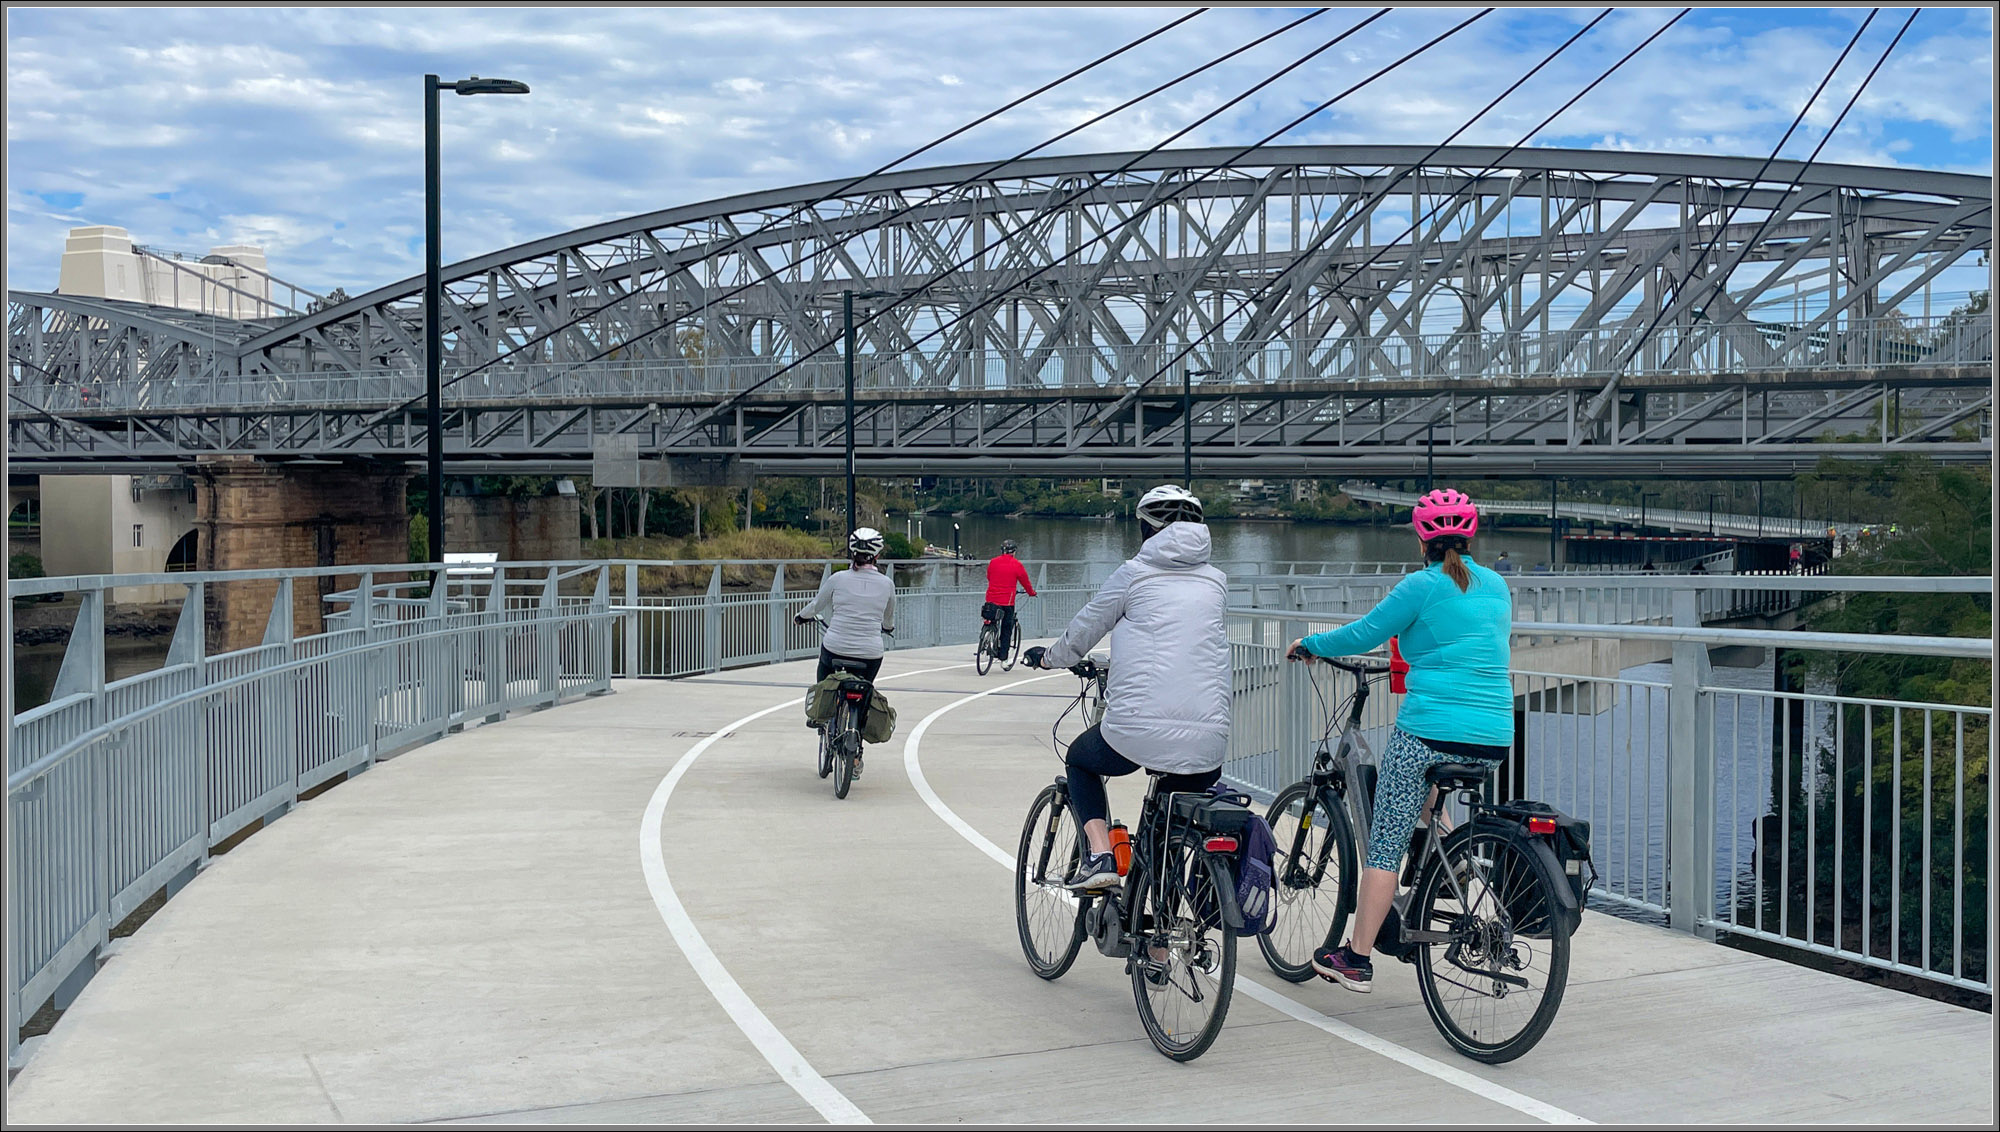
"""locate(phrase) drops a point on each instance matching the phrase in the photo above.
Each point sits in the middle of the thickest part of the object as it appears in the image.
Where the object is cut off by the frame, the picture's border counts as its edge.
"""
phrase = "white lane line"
(783, 1057)
(1449, 1074)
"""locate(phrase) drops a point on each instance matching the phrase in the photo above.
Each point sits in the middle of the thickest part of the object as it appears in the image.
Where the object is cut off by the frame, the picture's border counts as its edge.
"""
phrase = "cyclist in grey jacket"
(1167, 706)
(860, 606)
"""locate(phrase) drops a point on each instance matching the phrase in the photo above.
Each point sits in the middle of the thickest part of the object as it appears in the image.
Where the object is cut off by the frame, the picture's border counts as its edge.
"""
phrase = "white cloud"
(303, 126)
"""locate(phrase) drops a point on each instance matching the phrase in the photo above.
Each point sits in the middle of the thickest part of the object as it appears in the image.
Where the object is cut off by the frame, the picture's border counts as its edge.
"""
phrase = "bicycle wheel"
(1050, 919)
(1494, 986)
(982, 656)
(1183, 957)
(1316, 872)
(845, 746)
(826, 749)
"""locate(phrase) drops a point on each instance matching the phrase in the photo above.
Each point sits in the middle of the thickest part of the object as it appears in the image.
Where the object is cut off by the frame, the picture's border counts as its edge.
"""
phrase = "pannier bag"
(1221, 813)
(1571, 846)
(881, 721)
(822, 697)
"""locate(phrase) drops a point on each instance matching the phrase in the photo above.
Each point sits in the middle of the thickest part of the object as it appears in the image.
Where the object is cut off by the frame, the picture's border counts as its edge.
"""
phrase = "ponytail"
(1454, 568)
(1445, 548)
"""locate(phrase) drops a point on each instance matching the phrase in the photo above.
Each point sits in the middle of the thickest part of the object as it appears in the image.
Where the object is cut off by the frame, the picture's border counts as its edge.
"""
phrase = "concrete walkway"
(478, 931)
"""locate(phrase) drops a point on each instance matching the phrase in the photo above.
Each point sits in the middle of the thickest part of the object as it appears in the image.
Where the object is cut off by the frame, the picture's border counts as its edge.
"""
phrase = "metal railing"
(118, 790)
(1717, 523)
(1841, 825)
(1702, 348)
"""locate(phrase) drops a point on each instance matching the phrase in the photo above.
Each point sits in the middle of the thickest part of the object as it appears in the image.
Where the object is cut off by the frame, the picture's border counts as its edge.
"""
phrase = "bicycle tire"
(1304, 914)
(1511, 891)
(843, 758)
(826, 750)
(982, 653)
(1044, 857)
(1013, 652)
(1191, 907)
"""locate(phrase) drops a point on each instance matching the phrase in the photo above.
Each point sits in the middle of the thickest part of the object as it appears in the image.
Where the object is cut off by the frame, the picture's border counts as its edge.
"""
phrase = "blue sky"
(301, 129)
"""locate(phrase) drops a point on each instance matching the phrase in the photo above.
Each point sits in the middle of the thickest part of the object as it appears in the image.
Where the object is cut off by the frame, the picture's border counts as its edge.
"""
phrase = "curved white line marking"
(1449, 1074)
(729, 994)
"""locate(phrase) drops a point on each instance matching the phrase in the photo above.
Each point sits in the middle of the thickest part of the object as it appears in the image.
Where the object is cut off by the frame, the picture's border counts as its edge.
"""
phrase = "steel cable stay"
(1320, 241)
(1143, 211)
(800, 210)
(1677, 291)
(882, 220)
(1040, 215)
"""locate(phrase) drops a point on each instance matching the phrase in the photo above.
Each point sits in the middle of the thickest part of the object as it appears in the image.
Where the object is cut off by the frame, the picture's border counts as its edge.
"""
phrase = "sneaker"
(1097, 871)
(1341, 965)
(857, 768)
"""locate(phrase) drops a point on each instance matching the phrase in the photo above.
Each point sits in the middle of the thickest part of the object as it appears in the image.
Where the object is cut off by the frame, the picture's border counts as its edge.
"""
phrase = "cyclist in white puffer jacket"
(1167, 706)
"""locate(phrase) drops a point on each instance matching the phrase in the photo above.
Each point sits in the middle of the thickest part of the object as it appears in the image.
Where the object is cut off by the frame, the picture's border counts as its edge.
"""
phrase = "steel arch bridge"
(1052, 308)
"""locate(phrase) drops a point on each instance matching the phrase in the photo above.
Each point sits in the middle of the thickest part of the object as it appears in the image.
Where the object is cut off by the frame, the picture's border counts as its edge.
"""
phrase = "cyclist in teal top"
(1453, 619)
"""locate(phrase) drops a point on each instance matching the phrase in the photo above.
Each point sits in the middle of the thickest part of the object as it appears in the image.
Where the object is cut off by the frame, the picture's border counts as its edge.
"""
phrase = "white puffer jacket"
(1167, 708)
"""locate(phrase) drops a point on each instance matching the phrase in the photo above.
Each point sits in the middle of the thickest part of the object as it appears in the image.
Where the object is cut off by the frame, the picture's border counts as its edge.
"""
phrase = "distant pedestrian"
(1503, 564)
(1649, 568)
(1797, 556)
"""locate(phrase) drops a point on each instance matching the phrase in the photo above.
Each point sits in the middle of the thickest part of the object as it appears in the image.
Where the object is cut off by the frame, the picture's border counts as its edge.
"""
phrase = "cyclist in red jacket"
(1003, 573)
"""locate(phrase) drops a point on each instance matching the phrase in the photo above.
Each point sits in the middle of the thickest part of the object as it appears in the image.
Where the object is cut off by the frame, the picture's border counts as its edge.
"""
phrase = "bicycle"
(1484, 911)
(988, 649)
(1173, 918)
(840, 739)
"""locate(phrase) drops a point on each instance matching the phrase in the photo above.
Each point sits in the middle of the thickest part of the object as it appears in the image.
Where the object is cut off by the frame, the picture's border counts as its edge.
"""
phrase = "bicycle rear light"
(1541, 825)
(1220, 845)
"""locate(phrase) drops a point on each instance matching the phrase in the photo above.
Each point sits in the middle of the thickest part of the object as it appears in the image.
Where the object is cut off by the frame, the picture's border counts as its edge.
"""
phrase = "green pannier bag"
(821, 698)
(881, 720)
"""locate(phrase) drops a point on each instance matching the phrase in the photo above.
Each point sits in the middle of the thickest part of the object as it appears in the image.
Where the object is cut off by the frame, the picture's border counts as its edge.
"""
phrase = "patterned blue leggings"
(1400, 791)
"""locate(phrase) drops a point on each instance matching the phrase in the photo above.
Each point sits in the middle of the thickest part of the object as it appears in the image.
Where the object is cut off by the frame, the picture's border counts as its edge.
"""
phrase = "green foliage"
(897, 545)
(1898, 775)
(21, 564)
(420, 538)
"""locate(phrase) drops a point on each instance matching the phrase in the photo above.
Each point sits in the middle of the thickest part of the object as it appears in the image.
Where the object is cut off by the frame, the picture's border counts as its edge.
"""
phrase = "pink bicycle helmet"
(1445, 512)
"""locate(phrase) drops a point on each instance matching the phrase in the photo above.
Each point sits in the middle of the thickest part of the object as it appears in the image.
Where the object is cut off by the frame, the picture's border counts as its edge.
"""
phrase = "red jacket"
(1003, 573)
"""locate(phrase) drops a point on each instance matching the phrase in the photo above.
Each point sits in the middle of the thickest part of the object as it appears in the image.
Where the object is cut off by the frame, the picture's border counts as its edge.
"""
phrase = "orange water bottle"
(1121, 847)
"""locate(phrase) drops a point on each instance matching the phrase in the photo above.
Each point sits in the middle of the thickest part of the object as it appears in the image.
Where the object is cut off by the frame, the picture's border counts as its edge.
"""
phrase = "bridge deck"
(471, 931)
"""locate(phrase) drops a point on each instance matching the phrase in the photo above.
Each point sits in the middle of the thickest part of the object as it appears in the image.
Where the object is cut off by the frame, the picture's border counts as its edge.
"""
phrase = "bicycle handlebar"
(821, 622)
(1359, 666)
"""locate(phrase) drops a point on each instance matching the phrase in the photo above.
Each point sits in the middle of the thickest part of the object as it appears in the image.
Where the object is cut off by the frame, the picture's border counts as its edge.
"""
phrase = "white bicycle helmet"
(865, 542)
(1167, 504)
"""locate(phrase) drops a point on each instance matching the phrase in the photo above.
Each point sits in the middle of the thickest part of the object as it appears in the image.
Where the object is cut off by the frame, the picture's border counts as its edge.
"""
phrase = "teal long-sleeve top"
(1456, 644)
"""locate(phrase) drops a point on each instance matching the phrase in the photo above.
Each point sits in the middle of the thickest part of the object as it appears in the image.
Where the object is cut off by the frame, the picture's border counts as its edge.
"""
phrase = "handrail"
(1967, 648)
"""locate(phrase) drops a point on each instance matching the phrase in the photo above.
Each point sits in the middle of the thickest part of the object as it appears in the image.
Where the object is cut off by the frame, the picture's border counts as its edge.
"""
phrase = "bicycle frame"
(1343, 778)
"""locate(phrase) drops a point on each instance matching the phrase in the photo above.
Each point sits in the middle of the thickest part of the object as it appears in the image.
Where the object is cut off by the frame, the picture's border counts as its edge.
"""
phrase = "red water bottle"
(1398, 668)
(1121, 847)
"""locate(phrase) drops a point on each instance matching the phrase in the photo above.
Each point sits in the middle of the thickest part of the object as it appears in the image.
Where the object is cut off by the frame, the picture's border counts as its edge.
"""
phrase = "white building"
(140, 524)
(230, 281)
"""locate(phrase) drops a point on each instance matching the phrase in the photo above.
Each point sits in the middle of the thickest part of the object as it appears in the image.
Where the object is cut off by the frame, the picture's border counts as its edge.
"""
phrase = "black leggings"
(1090, 756)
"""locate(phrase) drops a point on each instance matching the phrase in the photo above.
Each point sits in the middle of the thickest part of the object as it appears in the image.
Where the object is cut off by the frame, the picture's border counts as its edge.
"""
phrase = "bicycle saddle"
(1457, 776)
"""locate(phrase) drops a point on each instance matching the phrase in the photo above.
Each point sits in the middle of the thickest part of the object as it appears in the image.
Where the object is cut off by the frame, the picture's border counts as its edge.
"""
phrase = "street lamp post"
(1187, 423)
(847, 298)
(434, 287)
(1712, 497)
(1643, 497)
(1430, 462)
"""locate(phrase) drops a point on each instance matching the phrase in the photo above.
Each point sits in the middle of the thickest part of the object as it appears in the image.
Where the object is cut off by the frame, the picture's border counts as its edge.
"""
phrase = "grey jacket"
(859, 605)
(1167, 708)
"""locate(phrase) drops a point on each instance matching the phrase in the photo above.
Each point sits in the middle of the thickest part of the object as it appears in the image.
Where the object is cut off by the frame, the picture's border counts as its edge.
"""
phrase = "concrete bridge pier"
(254, 514)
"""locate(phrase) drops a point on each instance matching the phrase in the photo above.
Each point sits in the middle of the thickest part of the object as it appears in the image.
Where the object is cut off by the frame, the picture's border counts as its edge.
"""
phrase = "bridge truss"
(1052, 309)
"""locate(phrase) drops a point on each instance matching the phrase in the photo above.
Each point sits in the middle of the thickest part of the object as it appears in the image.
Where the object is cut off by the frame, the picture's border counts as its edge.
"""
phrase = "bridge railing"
(1703, 348)
(119, 790)
(1841, 825)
